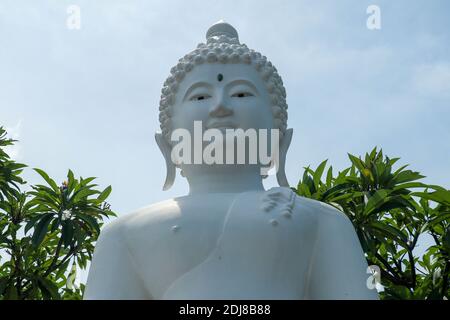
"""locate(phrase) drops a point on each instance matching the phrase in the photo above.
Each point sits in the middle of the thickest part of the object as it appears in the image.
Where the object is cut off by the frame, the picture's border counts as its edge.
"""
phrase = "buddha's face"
(222, 96)
(223, 117)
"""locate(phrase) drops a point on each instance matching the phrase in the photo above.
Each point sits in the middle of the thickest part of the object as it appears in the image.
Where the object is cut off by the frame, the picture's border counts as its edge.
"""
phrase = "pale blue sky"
(88, 99)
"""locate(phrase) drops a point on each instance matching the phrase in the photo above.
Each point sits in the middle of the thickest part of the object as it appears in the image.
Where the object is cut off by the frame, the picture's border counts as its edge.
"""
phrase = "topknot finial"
(221, 28)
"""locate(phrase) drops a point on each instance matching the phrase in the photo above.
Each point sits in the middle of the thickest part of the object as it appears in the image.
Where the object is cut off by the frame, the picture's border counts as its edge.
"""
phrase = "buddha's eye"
(200, 97)
(242, 94)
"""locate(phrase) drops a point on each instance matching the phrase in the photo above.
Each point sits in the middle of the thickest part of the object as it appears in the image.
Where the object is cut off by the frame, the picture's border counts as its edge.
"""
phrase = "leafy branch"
(390, 209)
(43, 230)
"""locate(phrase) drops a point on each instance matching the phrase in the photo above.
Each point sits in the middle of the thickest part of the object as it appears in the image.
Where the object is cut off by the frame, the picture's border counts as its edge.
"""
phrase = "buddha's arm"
(338, 269)
(112, 274)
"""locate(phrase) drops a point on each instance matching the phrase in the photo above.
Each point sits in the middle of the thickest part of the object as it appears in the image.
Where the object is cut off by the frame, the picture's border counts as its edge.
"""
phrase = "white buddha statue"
(228, 238)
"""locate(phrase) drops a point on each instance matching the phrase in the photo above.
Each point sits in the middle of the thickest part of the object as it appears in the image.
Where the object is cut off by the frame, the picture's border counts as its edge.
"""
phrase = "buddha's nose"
(220, 110)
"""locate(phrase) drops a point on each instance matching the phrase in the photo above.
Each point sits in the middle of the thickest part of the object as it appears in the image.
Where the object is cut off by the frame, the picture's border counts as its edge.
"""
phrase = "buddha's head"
(222, 85)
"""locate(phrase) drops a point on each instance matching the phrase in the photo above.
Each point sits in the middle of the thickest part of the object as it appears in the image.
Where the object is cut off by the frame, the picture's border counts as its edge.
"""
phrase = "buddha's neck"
(224, 181)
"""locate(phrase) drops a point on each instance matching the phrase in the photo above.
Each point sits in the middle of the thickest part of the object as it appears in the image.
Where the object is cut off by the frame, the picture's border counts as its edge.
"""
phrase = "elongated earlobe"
(284, 146)
(166, 149)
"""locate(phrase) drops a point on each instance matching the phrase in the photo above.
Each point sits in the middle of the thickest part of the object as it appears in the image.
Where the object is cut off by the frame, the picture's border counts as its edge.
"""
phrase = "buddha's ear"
(166, 149)
(285, 142)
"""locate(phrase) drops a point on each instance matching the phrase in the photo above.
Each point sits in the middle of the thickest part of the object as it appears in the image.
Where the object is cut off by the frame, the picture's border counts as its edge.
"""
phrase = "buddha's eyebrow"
(195, 86)
(243, 81)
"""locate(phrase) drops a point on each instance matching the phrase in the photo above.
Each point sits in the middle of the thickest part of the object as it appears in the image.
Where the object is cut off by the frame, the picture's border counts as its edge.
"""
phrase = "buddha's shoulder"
(152, 215)
(157, 219)
(313, 210)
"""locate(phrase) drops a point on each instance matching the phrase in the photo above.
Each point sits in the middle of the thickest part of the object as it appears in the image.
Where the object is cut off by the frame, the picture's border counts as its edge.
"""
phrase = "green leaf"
(376, 200)
(393, 161)
(407, 176)
(339, 188)
(400, 169)
(329, 176)
(318, 174)
(67, 233)
(105, 194)
(346, 196)
(373, 153)
(304, 190)
(85, 182)
(357, 162)
(82, 194)
(92, 223)
(397, 292)
(48, 288)
(446, 240)
(410, 185)
(50, 181)
(342, 175)
(31, 223)
(439, 196)
(41, 229)
(41, 189)
(439, 219)
(389, 232)
(62, 269)
(71, 181)
(55, 225)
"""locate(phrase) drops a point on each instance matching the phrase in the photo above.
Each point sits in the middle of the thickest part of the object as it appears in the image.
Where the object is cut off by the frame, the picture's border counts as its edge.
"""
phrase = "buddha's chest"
(242, 250)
